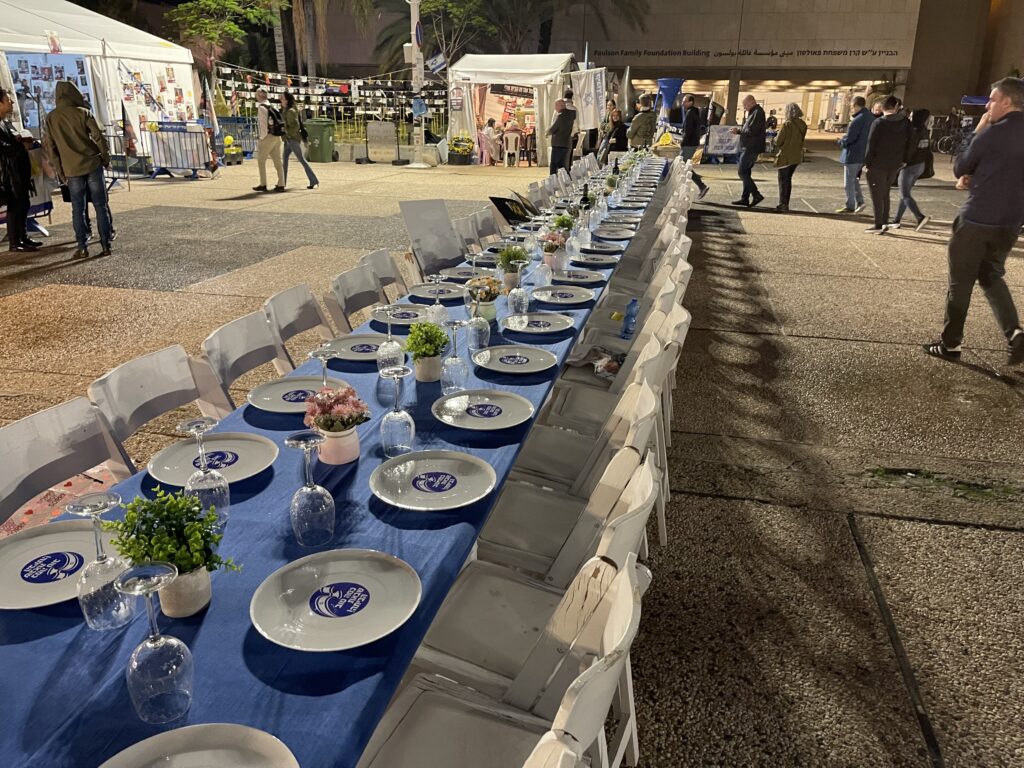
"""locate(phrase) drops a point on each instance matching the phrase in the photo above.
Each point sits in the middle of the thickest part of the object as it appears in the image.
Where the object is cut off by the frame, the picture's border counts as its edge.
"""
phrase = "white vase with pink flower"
(335, 414)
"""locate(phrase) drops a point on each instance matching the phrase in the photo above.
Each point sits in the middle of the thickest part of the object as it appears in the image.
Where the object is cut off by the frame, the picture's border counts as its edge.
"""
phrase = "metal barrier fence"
(242, 131)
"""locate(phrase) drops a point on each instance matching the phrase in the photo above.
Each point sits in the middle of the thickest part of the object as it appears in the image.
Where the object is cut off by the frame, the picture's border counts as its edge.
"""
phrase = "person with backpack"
(890, 143)
(295, 136)
(270, 128)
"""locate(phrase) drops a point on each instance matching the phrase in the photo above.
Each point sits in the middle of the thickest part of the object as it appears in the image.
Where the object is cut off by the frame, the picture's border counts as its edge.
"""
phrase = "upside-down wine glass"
(518, 298)
(478, 334)
(102, 605)
(208, 485)
(397, 428)
(454, 370)
(390, 352)
(159, 673)
(437, 313)
(312, 507)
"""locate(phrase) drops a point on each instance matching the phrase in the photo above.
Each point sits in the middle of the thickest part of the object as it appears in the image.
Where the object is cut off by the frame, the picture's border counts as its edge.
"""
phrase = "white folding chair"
(487, 227)
(51, 446)
(138, 391)
(354, 289)
(294, 311)
(418, 730)
(386, 269)
(435, 246)
(465, 228)
(511, 141)
(242, 345)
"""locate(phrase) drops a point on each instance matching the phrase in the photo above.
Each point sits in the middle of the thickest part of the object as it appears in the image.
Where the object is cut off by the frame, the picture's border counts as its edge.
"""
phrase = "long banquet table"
(64, 692)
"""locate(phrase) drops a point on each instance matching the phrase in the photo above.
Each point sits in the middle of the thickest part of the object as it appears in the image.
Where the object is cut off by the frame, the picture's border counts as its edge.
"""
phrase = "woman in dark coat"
(15, 178)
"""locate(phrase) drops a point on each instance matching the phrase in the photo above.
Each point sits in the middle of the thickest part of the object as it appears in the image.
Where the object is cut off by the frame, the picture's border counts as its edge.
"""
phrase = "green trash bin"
(321, 141)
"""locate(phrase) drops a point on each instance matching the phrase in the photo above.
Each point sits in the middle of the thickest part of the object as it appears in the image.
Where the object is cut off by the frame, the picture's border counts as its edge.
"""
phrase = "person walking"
(691, 140)
(919, 156)
(293, 138)
(854, 145)
(890, 142)
(645, 124)
(560, 132)
(992, 171)
(15, 179)
(270, 130)
(752, 144)
(78, 152)
(790, 152)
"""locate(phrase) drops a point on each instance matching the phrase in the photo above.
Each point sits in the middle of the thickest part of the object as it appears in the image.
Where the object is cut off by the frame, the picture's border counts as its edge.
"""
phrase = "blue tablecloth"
(65, 698)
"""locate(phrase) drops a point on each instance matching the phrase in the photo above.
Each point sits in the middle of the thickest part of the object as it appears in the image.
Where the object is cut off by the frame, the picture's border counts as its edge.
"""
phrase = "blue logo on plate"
(217, 459)
(297, 395)
(484, 410)
(338, 600)
(440, 291)
(578, 275)
(434, 482)
(51, 567)
(564, 295)
(538, 324)
(364, 348)
(514, 359)
(405, 315)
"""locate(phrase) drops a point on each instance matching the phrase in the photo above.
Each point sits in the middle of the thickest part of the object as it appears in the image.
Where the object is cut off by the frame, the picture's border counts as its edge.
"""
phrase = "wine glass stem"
(154, 630)
(97, 529)
(323, 372)
(308, 463)
(397, 393)
(389, 325)
(202, 451)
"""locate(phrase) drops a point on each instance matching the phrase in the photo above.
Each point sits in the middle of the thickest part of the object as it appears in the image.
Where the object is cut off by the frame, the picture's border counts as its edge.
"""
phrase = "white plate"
(601, 249)
(482, 410)
(514, 358)
(360, 347)
(595, 260)
(289, 393)
(448, 291)
(405, 314)
(236, 455)
(427, 481)
(578, 277)
(627, 207)
(335, 600)
(614, 233)
(563, 294)
(465, 273)
(536, 322)
(205, 746)
(40, 566)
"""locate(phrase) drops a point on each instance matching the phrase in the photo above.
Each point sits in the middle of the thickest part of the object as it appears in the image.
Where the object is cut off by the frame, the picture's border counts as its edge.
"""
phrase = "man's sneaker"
(90, 237)
(703, 192)
(860, 208)
(938, 349)
(875, 230)
(922, 223)
(260, 188)
(1016, 348)
(113, 235)
(81, 253)
(742, 202)
(844, 209)
(106, 250)
(782, 209)
(278, 189)
(893, 225)
(758, 197)
(31, 242)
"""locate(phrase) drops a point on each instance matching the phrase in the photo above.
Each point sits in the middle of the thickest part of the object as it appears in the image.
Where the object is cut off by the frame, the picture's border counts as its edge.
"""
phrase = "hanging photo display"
(35, 78)
(155, 93)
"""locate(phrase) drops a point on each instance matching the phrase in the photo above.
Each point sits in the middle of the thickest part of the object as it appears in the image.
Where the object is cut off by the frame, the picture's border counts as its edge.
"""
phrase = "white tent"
(114, 56)
(544, 72)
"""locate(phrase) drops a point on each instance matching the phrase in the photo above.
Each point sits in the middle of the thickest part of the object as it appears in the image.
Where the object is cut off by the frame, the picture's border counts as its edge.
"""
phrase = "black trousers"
(786, 184)
(17, 217)
(978, 254)
(559, 158)
(880, 183)
(745, 170)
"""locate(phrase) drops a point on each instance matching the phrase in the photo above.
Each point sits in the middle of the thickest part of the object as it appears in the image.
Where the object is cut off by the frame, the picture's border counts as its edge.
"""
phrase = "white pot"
(549, 258)
(339, 447)
(488, 311)
(428, 368)
(188, 594)
(510, 280)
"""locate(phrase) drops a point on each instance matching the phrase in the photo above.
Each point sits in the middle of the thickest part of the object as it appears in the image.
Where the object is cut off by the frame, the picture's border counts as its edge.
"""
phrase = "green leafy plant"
(512, 254)
(173, 528)
(426, 340)
(564, 221)
(612, 181)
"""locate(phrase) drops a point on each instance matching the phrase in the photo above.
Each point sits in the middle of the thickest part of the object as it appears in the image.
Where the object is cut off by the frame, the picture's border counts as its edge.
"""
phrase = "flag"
(588, 95)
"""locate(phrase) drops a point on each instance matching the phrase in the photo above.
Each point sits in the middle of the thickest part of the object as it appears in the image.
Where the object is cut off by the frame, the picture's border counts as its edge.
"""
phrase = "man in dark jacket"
(855, 144)
(992, 171)
(890, 142)
(79, 153)
(691, 139)
(561, 136)
(752, 144)
(15, 179)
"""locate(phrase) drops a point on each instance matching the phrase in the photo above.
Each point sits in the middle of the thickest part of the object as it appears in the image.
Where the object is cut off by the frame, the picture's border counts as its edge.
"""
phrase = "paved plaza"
(844, 581)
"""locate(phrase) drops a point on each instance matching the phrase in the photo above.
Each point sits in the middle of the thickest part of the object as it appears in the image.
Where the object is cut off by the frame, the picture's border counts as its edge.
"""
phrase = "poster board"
(381, 139)
(35, 77)
(722, 141)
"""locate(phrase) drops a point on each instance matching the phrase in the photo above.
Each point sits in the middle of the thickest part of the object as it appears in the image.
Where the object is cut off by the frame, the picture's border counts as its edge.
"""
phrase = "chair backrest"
(138, 391)
(354, 289)
(486, 224)
(434, 242)
(294, 311)
(244, 344)
(653, 324)
(465, 228)
(51, 446)
(386, 269)
(555, 751)
(512, 143)
(624, 529)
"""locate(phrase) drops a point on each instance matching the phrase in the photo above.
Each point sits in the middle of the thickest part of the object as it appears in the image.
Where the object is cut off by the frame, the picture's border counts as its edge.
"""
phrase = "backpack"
(275, 125)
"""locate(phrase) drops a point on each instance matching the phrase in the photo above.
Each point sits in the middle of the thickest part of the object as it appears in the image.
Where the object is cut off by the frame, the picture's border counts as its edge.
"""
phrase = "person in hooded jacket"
(15, 179)
(890, 143)
(916, 163)
(78, 151)
(790, 152)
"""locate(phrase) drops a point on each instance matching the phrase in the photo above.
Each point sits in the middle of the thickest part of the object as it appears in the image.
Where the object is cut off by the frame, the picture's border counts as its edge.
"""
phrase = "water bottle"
(629, 322)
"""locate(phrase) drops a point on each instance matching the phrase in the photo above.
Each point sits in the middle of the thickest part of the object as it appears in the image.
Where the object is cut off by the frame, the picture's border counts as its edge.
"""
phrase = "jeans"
(88, 221)
(851, 180)
(270, 146)
(559, 157)
(879, 183)
(687, 154)
(786, 184)
(745, 171)
(295, 145)
(91, 184)
(908, 178)
(978, 254)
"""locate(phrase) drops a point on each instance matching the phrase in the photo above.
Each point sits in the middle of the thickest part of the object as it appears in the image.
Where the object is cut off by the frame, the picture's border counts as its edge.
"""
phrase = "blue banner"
(668, 88)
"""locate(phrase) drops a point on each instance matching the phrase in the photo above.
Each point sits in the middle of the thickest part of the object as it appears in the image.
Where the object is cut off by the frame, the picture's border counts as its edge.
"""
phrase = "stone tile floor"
(843, 580)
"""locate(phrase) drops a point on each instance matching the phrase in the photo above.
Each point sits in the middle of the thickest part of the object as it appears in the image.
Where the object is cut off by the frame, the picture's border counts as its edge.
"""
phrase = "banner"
(722, 141)
(588, 89)
(668, 89)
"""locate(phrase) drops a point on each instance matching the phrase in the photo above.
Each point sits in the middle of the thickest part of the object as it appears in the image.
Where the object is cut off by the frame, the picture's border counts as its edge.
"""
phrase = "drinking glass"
(208, 485)
(478, 334)
(397, 428)
(312, 507)
(437, 313)
(323, 353)
(532, 246)
(390, 352)
(159, 672)
(102, 605)
(518, 298)
(454, 370)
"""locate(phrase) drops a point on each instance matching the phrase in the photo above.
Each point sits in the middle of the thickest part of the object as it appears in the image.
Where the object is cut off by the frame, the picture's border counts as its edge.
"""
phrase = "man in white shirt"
(271, 143)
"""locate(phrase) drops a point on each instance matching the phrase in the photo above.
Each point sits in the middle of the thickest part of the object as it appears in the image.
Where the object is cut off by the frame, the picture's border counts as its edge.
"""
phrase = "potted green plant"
(563, 221)
(612, 181)
(173, 528)
(335, 414)
(426, 342)
(507, 259)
